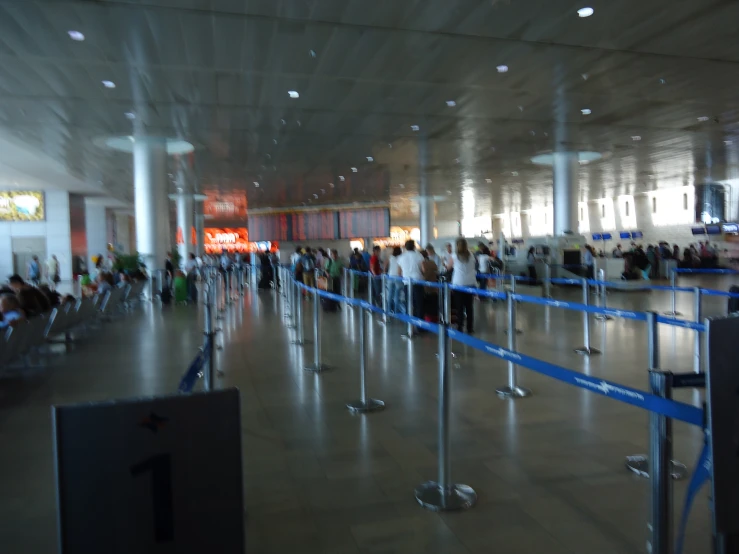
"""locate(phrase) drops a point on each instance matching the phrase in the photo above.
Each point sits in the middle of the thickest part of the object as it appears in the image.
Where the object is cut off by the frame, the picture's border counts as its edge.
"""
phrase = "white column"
(565, 193)
(95, 230)
(124, 235)
(427, 219)
(184, 224)
(151, 201)
(58, 231)
(200, 228)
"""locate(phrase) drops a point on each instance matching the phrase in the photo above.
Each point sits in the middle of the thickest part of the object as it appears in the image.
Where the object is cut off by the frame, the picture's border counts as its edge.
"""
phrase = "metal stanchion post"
(697, 340)
(409, 302)
(218, 292)
(317, 365)
(547, 281)
(364, 404)
(210, 341)
(512, 390)
(344, 283)
(385, 297)
(370, 284)
(294, 302)
(673, 284)
(298, 319)
(513, 291)
(603, 292)
(660, 454)
(351, 288)
(639, 463)
(586, 350)
(443, 495)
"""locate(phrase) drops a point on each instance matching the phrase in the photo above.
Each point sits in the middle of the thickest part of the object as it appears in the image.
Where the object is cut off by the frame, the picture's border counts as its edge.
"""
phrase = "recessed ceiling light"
(76, 35)
(331, 185)
(389, 145)
(283, 121)
(354, 169)
(520, 108)
(130, 115)
(293, 94)
(108, 84)
(449, 192)
(401, 185)
(488, 180)
(299, 123)
(636, 137)
(703, 118)
(341, 177)
(728, 142)
(274, 140)
(502, 68)
(256, 184)
(585, 12)
(586, 111)
(315, 195)
(584, 76)
(456, 160)
(662, 81)
(415, 127)
(312, 53)
(370, 159)
(451, 103)
(514, 173)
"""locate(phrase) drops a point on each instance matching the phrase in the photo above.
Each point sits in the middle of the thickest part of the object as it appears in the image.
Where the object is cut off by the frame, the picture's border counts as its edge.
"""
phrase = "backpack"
(309, 263)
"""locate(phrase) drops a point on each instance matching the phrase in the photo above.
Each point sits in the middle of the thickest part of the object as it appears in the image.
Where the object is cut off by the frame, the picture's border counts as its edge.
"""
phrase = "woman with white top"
(483, 266)
(394, 286)
(463, 274)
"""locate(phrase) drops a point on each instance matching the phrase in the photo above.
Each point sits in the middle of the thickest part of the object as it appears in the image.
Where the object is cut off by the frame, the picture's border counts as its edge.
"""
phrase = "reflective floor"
(549, 469)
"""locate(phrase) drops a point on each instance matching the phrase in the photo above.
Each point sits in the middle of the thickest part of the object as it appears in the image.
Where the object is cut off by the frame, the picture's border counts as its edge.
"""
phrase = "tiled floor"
(548, 469)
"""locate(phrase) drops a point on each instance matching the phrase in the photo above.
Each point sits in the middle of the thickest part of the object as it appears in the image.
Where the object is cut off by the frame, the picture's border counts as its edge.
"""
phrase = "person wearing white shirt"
(409, 264)
(464, 275)
(483, 267)
(446, 257)
(394, 286)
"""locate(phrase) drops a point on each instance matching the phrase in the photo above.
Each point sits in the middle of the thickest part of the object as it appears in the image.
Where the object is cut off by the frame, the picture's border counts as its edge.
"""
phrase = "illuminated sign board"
(22, 205)
(730, 228)
(224, 206)
(229, 239)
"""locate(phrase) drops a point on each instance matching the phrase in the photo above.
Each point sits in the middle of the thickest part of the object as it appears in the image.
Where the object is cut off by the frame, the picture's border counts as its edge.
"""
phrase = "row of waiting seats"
(27, 337)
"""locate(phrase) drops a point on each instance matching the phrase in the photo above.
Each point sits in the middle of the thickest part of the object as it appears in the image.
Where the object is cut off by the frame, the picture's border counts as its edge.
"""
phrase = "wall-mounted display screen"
(22, 205)
(270, 227)
(624, 235)
(606, 236)
(314, 226)
(224, 206)
(597, 236)
(364, 223)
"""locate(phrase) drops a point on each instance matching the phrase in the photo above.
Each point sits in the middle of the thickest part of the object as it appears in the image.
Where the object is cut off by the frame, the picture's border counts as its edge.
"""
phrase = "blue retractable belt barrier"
(681, 323)
(430, 284)
(635, 397)
(709, 271)
(420, 323)
(558, 281)
(191, 376)
(479, 292)
(701, 475)
(625, 314)
(669, 288)
(711, 292)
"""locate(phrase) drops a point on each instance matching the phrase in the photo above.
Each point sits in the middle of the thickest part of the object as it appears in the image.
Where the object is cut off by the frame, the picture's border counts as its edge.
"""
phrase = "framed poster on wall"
(22, 205)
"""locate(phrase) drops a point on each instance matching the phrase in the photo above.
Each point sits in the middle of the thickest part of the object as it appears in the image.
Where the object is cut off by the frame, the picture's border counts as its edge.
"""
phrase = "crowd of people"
(640, 263)
(21, 300)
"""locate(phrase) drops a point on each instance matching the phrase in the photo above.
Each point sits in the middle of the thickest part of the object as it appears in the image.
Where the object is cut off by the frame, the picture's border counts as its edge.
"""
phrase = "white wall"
(55, 230)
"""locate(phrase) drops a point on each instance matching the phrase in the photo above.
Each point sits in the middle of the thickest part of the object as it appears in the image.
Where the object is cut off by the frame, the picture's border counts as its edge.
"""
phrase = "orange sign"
(229, 239)
(224, 206)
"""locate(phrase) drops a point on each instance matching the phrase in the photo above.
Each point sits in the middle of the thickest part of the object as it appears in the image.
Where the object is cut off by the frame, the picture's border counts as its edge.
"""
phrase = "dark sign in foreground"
(161, 475)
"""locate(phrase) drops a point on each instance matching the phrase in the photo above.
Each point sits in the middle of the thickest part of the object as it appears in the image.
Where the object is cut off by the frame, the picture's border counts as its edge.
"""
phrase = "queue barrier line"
(497, 295)
(669, 408)
(708, 271)
(195, 371)
(580, 307)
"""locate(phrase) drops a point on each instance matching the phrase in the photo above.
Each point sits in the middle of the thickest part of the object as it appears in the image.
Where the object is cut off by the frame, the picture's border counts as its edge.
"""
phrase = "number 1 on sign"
(161, 493)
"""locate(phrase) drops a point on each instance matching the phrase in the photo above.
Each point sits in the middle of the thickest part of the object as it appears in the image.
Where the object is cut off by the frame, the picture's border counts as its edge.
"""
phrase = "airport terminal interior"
(339, 276)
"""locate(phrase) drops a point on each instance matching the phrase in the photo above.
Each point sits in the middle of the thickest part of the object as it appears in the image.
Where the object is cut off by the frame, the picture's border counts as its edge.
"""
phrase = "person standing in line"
(617, 252)
(434, 257)
(409, 267)
(309, 265)
(531, 263)
(52, 272)
(375, 269)
(589, 262)
(34, 271)
(463, 274)
(446, 258)
(483, 267)
(395, 286)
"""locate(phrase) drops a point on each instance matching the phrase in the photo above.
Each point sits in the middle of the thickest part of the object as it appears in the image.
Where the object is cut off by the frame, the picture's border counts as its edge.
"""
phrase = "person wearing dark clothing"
(33, 302)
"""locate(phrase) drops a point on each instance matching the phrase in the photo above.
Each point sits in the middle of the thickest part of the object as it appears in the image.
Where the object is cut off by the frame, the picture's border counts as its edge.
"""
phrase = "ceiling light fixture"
(354, 169)
(130, 115)
(728, 142)
(451, 103)
(586, 111)
(415, 128)
(502, 68)
(370, 159)
(703, 118)
(488, 181)
(584, 76)
(514, 173)
(76, 35)
(401, 185)
(274, 140)
(108, 84)
(585, 12)
(636, 137)
(283, 121)
(256, 184)
(662, 81)
(293, 94)
(331, 185)
(312, 53)
(341, 177)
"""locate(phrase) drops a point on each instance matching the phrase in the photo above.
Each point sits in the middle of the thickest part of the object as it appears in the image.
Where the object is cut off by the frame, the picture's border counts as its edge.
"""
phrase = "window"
(685, 201)
(654, 204)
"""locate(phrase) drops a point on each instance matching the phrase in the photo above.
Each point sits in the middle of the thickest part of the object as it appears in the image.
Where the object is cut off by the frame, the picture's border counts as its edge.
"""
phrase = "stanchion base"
(457, 497)
(372, 405)
(640, 465)
(518, 332)
(673, 314)
(453, 354)
(406, 336)
(513, 392)
(603, 317)
(316, 368)
(587, 351)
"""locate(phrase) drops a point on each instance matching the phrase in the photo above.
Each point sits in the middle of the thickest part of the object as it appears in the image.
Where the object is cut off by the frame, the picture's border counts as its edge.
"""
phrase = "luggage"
(329, 305)
(734, 302)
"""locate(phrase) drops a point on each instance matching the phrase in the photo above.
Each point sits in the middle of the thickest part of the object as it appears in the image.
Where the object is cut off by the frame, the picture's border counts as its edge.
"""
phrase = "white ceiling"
(217, 72)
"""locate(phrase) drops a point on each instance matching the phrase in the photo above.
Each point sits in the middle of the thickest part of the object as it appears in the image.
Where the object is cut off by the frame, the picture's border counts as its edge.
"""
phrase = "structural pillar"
(200, 228)
(565, 193)
(425, 200)
(151, 201)
(185, 216)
